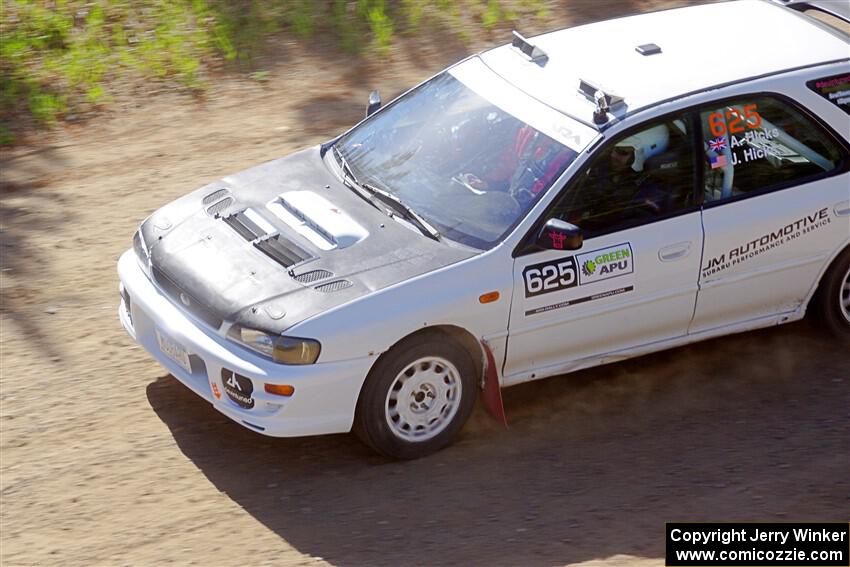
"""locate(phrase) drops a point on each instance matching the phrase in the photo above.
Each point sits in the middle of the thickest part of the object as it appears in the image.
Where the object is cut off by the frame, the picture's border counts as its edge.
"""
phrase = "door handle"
(674, 252)
(842, 209)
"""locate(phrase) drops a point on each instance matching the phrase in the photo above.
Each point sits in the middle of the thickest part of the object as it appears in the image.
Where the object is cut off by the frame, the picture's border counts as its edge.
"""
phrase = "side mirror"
(559, 235)
(374, 103)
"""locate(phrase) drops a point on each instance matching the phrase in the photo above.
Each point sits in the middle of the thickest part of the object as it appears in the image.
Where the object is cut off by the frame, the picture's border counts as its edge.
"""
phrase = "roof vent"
(529, 49)
(648, 49)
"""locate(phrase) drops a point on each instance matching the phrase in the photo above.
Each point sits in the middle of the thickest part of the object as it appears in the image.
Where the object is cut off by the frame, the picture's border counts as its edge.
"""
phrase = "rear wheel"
(833, 300)
(417, 397)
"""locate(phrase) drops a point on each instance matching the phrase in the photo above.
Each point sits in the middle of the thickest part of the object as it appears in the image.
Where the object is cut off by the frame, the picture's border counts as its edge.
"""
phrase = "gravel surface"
(107, 460)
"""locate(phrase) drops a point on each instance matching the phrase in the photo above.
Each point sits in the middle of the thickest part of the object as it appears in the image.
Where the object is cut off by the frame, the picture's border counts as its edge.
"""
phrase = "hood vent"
(217, 202)
(216, 196)
(331, 287)
(313, 276)
(317, 219)
(283, 251)
(219, 207)
(241, 223)
(249, 224)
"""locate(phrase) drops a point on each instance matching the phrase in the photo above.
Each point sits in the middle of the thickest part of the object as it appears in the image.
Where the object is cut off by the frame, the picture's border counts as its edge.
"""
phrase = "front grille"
(179, 297)
(283, 251)
(313, 276)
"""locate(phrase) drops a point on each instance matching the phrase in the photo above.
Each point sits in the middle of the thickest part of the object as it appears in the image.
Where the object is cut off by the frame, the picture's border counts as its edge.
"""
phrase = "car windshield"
(465, 165)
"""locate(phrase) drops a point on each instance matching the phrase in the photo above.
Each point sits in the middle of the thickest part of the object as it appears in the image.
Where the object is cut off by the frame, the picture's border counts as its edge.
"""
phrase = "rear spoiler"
(837, 8)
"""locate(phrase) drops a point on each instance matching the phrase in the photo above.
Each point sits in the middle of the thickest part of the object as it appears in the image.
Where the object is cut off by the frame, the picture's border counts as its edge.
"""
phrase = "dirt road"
(107, 460)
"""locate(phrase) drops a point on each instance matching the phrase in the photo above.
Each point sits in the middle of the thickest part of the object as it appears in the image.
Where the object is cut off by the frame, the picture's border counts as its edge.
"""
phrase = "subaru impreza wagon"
(555, 203)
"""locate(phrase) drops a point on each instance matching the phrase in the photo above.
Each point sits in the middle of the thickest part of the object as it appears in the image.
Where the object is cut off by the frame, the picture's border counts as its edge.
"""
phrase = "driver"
(618, 188)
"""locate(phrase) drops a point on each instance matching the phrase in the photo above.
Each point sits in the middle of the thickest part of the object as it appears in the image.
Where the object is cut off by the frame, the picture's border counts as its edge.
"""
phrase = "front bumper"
(325, 393)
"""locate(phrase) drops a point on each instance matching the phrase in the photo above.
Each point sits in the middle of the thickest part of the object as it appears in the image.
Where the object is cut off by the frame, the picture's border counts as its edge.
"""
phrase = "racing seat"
(672, 173)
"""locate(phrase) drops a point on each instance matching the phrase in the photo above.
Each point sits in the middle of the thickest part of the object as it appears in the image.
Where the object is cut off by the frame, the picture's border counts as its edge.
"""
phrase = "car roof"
(701, 47)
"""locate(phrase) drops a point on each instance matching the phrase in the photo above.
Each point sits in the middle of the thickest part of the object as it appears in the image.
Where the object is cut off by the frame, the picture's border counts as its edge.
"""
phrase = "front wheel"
(417, 397)
(833, 299)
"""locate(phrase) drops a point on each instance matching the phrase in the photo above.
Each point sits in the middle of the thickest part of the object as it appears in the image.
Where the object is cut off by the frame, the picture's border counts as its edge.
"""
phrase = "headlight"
(139, 246)
(285, 350)
(142, 252)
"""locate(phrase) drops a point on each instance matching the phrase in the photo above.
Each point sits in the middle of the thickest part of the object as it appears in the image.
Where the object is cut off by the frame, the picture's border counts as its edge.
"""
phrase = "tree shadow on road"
(28, 209)
(749, 427)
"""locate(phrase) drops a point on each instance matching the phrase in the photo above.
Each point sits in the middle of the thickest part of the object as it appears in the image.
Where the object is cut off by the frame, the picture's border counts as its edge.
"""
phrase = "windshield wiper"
(403, 211)
(343, 165)
(369, 192)
(350, 180)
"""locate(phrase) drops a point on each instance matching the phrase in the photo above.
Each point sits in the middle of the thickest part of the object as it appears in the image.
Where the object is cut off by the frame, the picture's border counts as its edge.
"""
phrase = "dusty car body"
(564, 201)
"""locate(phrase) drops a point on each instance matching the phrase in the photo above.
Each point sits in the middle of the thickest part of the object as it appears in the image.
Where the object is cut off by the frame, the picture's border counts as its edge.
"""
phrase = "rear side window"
(753, 144)
(835, 89)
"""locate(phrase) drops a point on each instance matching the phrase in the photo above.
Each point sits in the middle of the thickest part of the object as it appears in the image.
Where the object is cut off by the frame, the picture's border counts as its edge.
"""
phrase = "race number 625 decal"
(736, 119)
(550, 276)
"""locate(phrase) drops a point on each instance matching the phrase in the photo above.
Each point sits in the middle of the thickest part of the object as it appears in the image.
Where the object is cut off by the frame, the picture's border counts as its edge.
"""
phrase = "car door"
(776, 196)
(634, 279)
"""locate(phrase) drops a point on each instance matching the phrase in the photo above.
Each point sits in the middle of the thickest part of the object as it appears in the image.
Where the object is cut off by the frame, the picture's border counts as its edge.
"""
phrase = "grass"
(60, 57)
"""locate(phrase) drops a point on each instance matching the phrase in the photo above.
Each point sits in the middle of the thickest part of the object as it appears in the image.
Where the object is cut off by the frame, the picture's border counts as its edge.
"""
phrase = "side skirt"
(617, 356)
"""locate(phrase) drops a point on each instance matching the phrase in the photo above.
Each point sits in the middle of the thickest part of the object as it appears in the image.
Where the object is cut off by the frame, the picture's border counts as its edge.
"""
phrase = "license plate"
(174, 351)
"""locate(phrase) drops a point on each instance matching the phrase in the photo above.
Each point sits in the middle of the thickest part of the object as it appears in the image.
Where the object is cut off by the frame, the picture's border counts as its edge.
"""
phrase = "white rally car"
(578, 198)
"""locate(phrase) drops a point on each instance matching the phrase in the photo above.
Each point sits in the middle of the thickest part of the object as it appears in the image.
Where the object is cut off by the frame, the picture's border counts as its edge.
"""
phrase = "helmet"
(646, 144)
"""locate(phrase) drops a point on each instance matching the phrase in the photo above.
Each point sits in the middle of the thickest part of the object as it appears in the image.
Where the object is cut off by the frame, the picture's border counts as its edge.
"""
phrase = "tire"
(417, 397)
(833, 297)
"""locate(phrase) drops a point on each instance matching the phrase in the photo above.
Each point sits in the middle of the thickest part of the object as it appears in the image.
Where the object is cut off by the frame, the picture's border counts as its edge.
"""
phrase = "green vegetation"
(58, 57)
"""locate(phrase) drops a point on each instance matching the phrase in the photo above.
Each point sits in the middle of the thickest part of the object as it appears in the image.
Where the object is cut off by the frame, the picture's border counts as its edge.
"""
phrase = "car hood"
(278, 243)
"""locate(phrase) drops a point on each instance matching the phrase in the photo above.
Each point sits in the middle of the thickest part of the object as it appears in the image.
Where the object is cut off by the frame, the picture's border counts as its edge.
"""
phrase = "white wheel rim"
(844, 296)
(423, 399)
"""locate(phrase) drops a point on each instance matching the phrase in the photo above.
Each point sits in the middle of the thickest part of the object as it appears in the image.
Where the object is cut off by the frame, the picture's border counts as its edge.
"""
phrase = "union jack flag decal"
(717, 144)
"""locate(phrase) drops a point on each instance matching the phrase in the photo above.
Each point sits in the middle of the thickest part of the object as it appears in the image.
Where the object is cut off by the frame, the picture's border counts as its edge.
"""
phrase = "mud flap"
(492, 394)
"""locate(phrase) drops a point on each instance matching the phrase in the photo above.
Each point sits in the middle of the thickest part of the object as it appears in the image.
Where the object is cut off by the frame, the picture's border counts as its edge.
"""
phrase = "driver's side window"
(641, 175)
